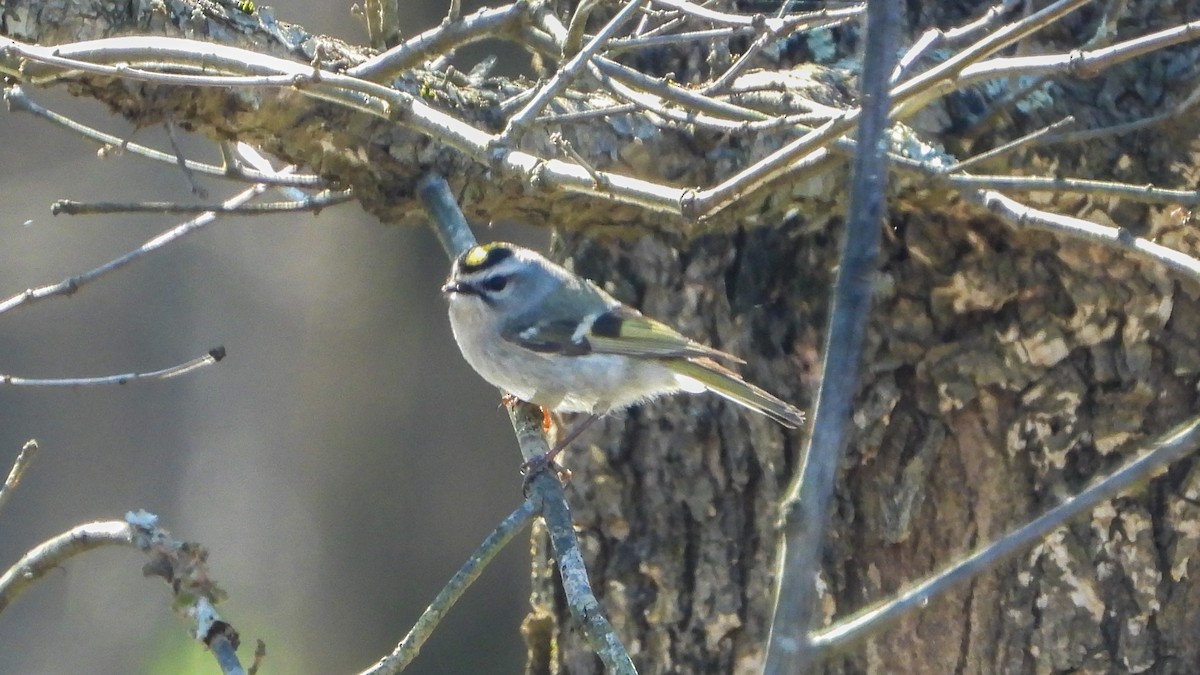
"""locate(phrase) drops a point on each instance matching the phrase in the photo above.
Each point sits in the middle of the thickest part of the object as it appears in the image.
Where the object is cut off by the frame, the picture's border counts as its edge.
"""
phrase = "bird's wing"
(616, 330)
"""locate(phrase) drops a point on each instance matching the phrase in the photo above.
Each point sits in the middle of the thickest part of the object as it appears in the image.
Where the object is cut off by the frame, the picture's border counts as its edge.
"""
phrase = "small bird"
(550, 337)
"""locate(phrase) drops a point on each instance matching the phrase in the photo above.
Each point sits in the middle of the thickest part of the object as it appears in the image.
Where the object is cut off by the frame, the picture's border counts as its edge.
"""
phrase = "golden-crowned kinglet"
(552, 338)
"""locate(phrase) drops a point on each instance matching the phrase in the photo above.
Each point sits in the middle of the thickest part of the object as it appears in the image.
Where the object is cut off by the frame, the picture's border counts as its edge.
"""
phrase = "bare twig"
(549, 497)
(213, 356)
(487, 23)
(20, 466)
(1128, 127)
(805, 507)
(1145, 194)
(495, 542)
(366, 97)
(935, 38)
(1081, 63)
(195, 187)
(16, 99)
(314, 203)
(576, 26)
(565, 74)
(1162, 451)
(68, 286)
(181, 564)
(915, 93)
(1011, 146)
(52, 553)
(1021, 216)
(454, 13)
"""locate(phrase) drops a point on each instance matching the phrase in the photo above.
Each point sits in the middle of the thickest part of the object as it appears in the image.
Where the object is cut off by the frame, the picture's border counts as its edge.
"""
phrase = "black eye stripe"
(494, 284)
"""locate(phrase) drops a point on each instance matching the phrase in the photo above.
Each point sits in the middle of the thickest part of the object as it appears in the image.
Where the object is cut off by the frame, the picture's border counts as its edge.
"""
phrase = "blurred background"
(339, 465)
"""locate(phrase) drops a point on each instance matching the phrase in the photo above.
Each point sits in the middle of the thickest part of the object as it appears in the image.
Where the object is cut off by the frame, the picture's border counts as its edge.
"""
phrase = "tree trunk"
(1005, 371)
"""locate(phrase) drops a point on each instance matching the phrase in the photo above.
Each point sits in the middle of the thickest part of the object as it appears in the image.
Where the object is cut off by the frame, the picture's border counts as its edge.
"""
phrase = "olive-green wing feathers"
(618, 330)
(727, 384)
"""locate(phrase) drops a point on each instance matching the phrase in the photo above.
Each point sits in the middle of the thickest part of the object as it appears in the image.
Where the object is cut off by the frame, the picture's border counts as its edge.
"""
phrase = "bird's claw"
(531, 468)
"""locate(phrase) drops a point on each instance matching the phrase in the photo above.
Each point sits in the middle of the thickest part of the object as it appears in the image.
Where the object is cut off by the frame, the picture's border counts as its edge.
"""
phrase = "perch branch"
(546, 491)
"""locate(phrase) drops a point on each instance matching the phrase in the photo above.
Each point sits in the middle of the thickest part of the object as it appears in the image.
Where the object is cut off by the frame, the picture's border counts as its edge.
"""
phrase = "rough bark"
(1005, 371)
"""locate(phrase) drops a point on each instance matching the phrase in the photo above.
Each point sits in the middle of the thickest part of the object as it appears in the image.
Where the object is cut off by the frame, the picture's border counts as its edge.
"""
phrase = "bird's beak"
(452, 287)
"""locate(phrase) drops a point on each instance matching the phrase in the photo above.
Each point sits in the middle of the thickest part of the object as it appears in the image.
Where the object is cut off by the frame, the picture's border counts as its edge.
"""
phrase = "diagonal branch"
(1163, 451)
(547, 492)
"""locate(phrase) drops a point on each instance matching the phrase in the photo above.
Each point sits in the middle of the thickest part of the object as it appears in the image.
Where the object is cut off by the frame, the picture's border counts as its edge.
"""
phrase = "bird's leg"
(533, 466)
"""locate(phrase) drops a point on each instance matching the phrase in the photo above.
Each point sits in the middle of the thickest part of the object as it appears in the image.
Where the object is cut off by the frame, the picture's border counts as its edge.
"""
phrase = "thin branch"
(181, 564)
(447, 221)
(943, 78)
(1083, 64)
(935, 38)
(1162, 452)
(587, 115)
(668, 91)
(410, 646)
(549, 496)
(519, 122)
(775, 24)
(911, 94)
(213, 356)
(788, 25)
(747, 57)
(314, 203)
(1021, 216)
(1125, 128)
(366, 97)
(1146, 194)
(603, 68)
(487, 23)
(621, 45)
(806, 503)
(182, 163)
(1011, 146)
(68, 286)
(184, 567)
(17, 100)
(20, 466)
(53, 553)
(576, 27)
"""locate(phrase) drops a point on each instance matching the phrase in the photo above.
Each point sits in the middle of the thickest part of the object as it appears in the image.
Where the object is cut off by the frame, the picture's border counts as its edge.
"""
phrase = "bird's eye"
(494, 284)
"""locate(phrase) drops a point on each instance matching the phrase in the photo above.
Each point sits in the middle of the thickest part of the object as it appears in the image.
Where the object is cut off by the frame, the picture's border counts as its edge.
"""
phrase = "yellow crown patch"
(484, 256)
(476, 256)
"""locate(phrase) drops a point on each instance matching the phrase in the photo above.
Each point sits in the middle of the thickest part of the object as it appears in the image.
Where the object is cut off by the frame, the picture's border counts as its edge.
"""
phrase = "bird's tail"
(725, 383)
